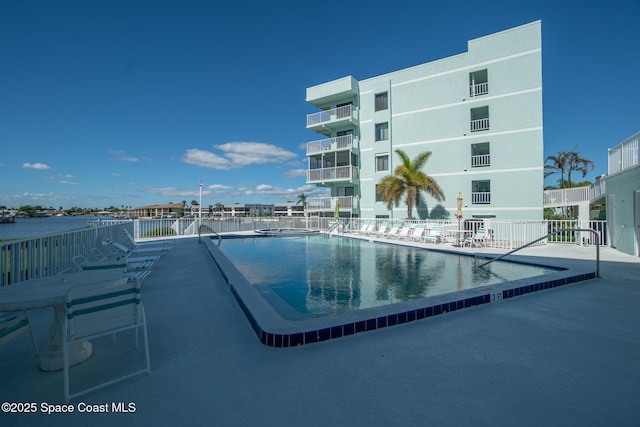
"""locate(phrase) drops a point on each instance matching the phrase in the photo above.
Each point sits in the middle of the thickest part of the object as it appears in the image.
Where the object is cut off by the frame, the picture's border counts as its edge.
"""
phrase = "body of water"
(28, 228)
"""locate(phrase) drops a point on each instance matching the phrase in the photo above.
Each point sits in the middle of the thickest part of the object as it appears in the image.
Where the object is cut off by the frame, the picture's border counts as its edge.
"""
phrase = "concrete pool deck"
(566, 356)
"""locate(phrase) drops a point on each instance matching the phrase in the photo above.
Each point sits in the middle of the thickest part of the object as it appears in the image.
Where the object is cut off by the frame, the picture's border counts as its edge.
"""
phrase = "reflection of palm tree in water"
(404, 275)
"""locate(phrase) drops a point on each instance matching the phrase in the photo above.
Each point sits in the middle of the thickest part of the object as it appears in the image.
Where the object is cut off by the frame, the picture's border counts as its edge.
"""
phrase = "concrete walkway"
(564, 357)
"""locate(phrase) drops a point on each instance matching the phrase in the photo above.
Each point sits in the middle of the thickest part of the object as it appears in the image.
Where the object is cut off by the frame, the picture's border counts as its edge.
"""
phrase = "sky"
(132, 103)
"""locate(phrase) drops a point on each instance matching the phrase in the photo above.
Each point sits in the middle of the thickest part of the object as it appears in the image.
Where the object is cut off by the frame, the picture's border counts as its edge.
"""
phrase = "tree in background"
(409, 181)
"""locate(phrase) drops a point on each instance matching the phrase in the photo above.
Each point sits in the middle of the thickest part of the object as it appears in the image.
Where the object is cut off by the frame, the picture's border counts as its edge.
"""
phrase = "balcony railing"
(481, 160)
(346, 112)
(345, 142)
(481, 198)
(479, 124)
(340, 173)
(479, 89)
(345, 203)
(625, 155)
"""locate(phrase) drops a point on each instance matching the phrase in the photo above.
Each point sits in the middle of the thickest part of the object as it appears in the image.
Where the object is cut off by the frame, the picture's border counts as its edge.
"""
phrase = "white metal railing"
(340, 173)
(566, 196)
(479, 124)
(347, 203)
(625, 155)
(481, 160)
(481, 197)
(332, 115)
(330, 144)
(26, 259)
(479, 89)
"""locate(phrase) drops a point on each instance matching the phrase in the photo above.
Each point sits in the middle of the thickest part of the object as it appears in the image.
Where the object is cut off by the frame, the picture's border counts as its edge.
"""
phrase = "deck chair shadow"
(92, 311)
(14, 324)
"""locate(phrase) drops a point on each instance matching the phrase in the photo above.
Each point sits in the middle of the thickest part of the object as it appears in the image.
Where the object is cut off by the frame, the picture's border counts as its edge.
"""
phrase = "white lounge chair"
(382, 229)
(392, 232)
(478, 239)
(434, 234)
(418, 232)
(404, 232)
(93, 311)
(14, 324)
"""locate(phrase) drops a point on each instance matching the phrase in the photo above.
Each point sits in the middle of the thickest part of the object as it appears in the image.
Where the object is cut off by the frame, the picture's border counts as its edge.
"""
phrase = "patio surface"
(569, 356)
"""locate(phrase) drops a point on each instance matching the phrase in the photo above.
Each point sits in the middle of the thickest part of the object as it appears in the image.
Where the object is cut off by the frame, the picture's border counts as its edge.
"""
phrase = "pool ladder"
(563, 230)
(210, 230)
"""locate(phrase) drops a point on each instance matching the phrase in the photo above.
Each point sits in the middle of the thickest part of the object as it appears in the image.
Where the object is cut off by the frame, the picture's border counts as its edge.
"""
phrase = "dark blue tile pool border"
(283, 340)
(313, 336)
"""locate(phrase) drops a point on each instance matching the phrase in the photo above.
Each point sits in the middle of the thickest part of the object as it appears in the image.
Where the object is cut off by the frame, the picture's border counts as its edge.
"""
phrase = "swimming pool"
(302, 289)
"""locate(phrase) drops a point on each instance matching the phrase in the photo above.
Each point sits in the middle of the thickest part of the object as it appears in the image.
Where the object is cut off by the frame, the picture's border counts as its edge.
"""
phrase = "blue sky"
(112, 103)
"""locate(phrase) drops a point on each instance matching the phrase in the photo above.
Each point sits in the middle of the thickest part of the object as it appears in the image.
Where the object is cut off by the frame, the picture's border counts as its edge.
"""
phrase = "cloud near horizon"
(237, 155)
(39, 166)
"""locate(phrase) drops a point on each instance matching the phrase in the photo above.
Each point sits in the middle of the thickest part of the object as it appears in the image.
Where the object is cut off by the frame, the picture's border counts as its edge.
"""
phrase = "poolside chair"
(94, 311)
(14, 324)
(119, 248)
(418, 232)
(391, 233)
(434, 234)
(163, 245)
(381, 230)
(478, 239)
(404, 232)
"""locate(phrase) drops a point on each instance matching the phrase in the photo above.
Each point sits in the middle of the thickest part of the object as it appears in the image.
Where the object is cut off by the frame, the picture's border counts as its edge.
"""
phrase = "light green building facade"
(479, 113)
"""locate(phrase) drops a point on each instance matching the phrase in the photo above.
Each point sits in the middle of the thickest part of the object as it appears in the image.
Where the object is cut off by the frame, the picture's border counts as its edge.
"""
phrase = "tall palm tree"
(558, 164)
(577, 163)
(409, 181)
(302, 198)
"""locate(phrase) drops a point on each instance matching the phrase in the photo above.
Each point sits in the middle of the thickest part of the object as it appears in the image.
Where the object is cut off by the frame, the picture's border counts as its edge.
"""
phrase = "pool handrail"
(551, 234)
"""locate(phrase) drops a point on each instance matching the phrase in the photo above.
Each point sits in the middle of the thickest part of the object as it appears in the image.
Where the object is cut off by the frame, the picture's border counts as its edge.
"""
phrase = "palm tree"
(577, 163)
(559, 164)
(409, 181)
(302, 198)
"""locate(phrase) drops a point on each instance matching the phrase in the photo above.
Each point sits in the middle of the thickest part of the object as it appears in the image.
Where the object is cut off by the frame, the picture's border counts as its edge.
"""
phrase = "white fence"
(45, 256)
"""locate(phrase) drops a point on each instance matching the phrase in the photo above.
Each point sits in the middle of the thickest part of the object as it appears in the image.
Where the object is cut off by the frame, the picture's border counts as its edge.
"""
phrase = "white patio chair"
(92, 311)
(478, 239)
(14, 324)
(392, 232)
(404, 232)
(434, 234)
(418, 233)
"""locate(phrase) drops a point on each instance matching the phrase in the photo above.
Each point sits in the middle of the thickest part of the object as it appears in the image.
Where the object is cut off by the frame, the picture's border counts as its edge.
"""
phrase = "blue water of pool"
(310, 276)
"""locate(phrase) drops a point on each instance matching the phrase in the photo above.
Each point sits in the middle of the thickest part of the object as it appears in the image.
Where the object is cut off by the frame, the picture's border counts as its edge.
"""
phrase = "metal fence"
(49, 255)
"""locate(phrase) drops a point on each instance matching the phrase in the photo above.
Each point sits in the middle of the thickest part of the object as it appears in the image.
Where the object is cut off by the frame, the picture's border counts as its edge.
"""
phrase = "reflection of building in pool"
(478, 112)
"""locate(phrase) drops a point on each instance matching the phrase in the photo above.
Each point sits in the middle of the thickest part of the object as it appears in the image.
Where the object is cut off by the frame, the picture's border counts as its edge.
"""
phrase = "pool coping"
(275, 331)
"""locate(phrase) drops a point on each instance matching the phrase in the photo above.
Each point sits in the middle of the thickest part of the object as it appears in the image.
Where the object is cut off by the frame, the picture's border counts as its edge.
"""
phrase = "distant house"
(169, 210)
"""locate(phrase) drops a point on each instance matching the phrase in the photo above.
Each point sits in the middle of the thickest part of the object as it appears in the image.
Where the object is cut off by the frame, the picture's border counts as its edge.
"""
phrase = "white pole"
(200, 206)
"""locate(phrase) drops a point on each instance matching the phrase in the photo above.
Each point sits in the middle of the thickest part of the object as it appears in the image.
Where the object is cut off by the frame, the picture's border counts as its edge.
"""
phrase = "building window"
(481, 192)
(382, 131)
(478, 83)
(379, 193)
(382, 162)
(479, 119)
(382, 101)
(344, 191)
(480, 155)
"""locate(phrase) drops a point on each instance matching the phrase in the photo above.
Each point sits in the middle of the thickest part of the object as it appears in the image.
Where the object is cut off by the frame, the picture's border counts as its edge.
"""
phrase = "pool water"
(312, 276)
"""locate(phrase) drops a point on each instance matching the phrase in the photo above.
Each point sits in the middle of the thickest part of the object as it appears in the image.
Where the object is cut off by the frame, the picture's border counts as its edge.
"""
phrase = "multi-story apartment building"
(479, 113)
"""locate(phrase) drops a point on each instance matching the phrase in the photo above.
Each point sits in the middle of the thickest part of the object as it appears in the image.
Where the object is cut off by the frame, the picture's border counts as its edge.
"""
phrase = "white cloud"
(121, 155)
(206, 159)
(40, 166)
(237, 155)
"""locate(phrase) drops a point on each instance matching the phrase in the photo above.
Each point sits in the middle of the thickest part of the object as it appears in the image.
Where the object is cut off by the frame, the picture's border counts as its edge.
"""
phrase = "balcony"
(479, 124)
(480, 160)
(340, 173)
(338, 143)
(335, 118)
(328, 204)
(479, 89)
(481, 198)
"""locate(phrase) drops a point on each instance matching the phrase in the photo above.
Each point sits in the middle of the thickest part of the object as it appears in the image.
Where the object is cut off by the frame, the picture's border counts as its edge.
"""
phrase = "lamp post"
(200, 206)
